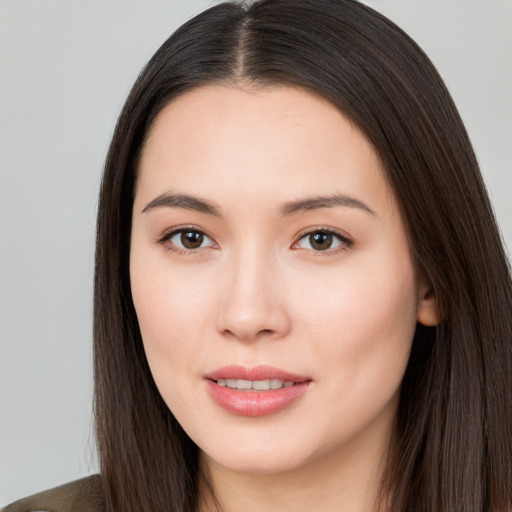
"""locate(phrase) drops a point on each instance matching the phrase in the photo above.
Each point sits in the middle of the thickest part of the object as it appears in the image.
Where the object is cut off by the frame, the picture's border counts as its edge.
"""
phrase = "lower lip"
(255, 403)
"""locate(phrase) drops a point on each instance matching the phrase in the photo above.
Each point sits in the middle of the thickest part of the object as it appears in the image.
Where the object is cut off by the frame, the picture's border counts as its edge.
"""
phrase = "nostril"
(248, 335)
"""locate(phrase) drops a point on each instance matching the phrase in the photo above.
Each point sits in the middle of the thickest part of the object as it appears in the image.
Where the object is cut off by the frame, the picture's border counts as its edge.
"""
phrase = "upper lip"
(260, 372)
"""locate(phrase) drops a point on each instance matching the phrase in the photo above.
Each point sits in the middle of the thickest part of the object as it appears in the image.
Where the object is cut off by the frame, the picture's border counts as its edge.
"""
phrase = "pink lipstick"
(255, 391)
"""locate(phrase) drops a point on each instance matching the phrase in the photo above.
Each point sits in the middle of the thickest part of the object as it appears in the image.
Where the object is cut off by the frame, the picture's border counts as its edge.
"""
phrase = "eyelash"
(184, 229)
(345, 243)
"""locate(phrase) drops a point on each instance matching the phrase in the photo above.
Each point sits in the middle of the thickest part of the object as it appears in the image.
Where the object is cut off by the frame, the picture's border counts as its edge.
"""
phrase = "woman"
(301, 296)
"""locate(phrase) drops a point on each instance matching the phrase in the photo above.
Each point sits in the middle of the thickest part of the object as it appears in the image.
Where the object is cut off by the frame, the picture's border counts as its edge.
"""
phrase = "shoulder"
(84, 495)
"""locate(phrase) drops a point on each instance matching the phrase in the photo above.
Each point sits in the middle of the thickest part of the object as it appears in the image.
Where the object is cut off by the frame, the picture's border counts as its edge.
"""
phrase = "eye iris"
(191, 239)
(320, 241)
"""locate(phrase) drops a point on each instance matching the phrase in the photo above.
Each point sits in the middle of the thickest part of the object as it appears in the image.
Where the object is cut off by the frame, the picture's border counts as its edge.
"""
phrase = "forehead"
(274, 142)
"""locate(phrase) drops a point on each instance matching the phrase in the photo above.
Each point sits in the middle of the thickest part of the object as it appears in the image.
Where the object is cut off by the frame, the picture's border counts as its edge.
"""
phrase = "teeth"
(276, 384)
(261, 385)
(256, 385)
(243, 384)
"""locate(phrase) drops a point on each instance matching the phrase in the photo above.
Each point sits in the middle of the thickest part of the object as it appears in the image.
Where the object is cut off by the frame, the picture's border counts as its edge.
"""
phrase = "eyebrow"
(188, 202)
(315, 203)
(183, 201)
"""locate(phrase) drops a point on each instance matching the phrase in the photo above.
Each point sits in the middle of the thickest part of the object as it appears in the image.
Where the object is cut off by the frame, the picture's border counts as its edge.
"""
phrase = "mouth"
(255, 385)
(255, 391)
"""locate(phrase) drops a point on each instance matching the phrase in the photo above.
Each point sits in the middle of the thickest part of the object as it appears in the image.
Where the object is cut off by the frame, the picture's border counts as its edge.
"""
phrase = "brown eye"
(320, 241)
(191, 239)
(187, 240)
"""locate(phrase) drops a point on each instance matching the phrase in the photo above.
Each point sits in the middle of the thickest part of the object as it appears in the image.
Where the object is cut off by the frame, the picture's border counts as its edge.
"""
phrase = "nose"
(253, 304)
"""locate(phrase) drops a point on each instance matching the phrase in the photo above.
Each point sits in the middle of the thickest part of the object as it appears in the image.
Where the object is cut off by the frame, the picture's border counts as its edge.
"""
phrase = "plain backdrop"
(66, 67)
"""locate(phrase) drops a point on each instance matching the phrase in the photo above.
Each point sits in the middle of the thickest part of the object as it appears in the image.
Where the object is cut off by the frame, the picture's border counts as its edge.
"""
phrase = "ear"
(428, 314)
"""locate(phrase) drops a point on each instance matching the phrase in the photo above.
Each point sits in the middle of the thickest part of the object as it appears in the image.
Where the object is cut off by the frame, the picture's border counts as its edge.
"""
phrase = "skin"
(257, 292)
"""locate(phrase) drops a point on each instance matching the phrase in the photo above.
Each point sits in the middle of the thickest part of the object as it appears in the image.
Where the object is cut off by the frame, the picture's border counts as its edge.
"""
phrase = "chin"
(265, 452)
(262, 462)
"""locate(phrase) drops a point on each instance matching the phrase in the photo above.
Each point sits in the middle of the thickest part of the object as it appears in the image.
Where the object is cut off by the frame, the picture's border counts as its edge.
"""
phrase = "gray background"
(65, 69)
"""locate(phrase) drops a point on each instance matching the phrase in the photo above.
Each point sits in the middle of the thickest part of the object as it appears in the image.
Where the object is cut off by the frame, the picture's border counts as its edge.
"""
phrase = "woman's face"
(268, 252)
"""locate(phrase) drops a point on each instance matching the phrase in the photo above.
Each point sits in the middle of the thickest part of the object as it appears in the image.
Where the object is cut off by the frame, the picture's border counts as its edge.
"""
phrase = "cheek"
(171, 311)
(171, 314)
(364, 323)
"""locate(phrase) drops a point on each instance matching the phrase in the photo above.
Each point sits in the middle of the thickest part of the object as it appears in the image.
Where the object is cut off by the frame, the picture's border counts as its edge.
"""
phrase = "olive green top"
(84, 495)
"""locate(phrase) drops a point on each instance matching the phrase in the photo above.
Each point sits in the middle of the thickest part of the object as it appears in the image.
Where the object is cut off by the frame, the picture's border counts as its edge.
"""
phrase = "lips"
(261, 372)
(255, 391)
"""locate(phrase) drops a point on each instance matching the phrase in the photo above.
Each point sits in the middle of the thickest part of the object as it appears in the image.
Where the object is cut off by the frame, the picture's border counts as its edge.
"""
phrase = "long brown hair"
(453, 441)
